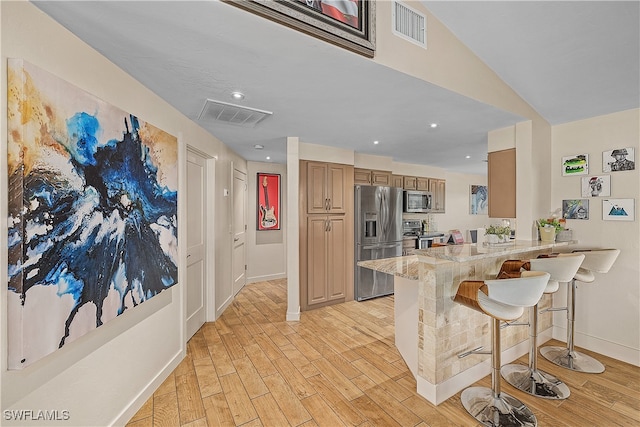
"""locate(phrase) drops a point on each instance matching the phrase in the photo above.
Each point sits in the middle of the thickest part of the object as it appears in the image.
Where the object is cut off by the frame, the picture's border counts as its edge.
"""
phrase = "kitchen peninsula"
(431, 329)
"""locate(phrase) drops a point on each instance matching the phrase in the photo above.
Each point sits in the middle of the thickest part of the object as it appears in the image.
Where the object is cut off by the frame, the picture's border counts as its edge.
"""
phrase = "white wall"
(607, 310)
(267, 249)
(104, 377)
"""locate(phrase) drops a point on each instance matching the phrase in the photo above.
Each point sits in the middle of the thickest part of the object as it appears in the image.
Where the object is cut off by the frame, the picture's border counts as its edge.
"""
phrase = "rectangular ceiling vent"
(409, 24)
(232, 114)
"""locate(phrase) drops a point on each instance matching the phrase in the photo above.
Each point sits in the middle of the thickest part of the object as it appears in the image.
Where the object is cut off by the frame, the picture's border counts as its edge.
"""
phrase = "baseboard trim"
(128, 412)
(604, 347)
(266, 277)
(438, 393)
(293, 316)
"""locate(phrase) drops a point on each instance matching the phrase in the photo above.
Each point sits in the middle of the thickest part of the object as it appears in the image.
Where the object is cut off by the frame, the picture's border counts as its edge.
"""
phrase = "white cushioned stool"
(529, 378)
(595, 261)
(503, 299)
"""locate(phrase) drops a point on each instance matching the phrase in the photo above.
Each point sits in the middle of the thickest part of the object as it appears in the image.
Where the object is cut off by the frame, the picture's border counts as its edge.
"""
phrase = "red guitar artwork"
(268, 217)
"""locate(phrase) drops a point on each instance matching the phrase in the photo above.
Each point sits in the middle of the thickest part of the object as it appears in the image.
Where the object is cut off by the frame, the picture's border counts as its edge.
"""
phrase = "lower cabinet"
(328, 268)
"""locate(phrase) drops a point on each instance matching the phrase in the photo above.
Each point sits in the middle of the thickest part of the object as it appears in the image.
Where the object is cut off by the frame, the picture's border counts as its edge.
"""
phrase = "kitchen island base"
(431, 329)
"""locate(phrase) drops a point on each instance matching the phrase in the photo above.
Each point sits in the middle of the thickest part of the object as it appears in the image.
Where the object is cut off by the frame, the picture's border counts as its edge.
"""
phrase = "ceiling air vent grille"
(409, 24)
(232, 114)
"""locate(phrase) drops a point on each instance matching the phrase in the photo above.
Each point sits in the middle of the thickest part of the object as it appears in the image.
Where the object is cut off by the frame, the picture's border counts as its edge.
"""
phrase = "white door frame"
(210, 251)
(234, 216)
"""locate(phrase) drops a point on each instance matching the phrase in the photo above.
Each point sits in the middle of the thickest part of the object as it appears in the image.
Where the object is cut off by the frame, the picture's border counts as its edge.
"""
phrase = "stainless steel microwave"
(417, 201)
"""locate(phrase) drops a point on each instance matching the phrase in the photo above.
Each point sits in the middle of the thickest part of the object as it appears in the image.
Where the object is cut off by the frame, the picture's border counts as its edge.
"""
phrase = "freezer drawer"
(370, 283)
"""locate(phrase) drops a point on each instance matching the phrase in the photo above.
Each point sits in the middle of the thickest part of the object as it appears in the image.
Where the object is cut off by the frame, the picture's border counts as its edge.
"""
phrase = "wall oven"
(417, 201)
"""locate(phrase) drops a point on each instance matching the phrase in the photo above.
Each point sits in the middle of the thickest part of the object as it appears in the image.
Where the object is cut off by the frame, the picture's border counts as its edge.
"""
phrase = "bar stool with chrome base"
(598, 261)
(529, 378)
(502, 299)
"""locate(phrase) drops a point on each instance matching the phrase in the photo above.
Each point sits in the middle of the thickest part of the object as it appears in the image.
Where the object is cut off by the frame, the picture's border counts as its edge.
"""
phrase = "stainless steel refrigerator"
(378, 234)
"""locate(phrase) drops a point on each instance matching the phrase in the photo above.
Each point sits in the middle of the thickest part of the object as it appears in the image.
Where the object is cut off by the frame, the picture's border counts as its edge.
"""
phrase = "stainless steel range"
(415, 238)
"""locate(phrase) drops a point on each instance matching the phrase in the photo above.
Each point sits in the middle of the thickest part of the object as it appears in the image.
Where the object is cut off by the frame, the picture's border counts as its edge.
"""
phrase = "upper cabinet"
(422, 184)
(409, 183)
(397, 181)
(325, 187)
(371, 177)
(437, 187)
(502, 183)
(415, 183)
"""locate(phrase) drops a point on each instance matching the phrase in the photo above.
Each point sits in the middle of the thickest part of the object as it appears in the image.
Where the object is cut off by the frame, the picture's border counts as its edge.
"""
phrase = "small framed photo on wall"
(620, 159)
(596, 186)
(478, 203)
(575, 165)
(618, 209)
(268, 193)
(575, 209)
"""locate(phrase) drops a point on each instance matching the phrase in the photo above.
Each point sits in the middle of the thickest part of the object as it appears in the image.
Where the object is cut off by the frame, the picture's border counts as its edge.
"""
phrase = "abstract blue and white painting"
(92, 212)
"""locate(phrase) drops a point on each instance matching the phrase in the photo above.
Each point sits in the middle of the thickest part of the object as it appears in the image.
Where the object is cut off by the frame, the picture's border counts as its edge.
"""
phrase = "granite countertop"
(407, 266)
(470, 251)
(403, 266)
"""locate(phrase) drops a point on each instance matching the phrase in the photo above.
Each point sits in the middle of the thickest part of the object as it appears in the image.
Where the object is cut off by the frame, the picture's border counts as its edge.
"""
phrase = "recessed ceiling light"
(467, 157)
(237, 95)
(258, 146)
(268, 158)
(376, 142)
(433, 125)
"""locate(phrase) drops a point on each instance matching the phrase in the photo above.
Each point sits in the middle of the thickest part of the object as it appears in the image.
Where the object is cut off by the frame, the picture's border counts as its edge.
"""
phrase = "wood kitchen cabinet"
(327, 269)
(397, 181)
(409, 182)
(371, 177)
(326, 187)
(415, 183)
(502, 183)
(422, 184)
(326, 233)
(437, 187)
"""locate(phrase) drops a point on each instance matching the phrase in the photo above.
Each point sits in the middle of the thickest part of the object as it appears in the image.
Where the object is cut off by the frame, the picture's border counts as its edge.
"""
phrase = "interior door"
(196, 243)
(239, 230)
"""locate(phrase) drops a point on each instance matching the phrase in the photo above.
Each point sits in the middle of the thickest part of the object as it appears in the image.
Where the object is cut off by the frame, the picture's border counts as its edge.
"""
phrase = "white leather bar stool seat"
(501, 299)
(497, 309)
(595, 261)
(529, 378)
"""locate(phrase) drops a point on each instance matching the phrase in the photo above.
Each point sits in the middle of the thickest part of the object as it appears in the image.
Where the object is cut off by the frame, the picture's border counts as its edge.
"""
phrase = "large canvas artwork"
(92, 212)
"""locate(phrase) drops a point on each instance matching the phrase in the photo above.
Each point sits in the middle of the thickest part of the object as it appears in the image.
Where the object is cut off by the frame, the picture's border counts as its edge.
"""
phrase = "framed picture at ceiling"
(618, 209)
(620, 159)
(92, 212)
(268, 201)
(575, 209)
(349, 23)
(596, 186)
(575, 165)
(478, 202)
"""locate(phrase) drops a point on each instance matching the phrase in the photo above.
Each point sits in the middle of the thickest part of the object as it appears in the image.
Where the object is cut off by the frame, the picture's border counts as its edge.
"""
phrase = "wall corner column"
(293, 229)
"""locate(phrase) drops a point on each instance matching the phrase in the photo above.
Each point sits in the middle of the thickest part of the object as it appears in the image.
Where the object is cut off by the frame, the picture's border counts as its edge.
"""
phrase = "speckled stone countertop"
(404, 266)
(407, 266)
(472, 252)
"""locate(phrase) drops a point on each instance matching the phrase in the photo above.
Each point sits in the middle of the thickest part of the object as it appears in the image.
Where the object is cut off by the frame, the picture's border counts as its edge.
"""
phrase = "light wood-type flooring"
(339, 366)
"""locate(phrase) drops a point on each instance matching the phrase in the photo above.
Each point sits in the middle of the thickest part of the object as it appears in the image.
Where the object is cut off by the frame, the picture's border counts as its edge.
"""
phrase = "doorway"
(239, 219)
(199, 249)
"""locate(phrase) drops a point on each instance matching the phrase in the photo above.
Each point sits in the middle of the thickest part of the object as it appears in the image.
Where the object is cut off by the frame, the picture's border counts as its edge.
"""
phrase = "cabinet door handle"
(330, 205)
